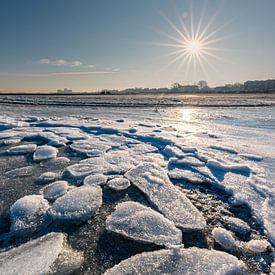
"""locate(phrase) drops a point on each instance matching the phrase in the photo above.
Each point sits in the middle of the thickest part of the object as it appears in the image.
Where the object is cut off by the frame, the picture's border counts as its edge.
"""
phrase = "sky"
(89, 45)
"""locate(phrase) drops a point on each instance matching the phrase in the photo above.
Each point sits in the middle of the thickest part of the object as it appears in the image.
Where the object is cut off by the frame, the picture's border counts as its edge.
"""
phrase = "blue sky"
(97, 44)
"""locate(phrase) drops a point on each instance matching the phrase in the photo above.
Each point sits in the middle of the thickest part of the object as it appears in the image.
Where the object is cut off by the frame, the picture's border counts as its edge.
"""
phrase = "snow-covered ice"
(22, 149)
(118, 183)
(180, 261)
(224, 238)
(44, 153)
(47, 177)
(41, 256)
(143, 224)
(78, 205)
(153, 181)
(55, 190)
(95, 179)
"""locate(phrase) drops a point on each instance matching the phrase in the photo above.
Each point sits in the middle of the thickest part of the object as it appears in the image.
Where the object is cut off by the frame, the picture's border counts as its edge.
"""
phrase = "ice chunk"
(55, 190)
(90, 148)
(224, 149)
(45, 152)
(153, 181)
(179, 174)
(173, 151)
(41, 256)
(143, 224)
(252, 157)
(78, 205)
(224, 238)
(257, 246)
(10, 141)
(237, 168)
(47, 177)
(20, 172)
(55, 163)
(186, 162)
(22, 149)
(95, 179)
(180, 261)
(237, 226)
(28, 214)
(118, 183)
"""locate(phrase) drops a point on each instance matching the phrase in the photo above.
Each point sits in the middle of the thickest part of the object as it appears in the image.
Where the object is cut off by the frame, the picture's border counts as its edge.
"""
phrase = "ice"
(41, 256)
(153, 181)
(22, 149)
(10, 141)
(188, 161)
(224, 149)
(180, 261)
(118, 183)
(20, 172)
(55, 190)
(47, 177)
(28, 214)
(51, 138)
(95, 179)
(90, 147)
(173, 151)
(257, 246)
(59, 162)
(139, 223)
(237, 168)
(44, 153)
(237, 226)
(224, 238)
(78, 205)
(252, 157)
(179, 174)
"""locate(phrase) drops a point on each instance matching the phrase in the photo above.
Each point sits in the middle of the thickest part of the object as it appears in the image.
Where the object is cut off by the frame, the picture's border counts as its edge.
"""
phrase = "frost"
(143, 224)
(78, 205)
(40, 256)
(118, 183)
(28, 214)
(22, 149)
(55, 190)
(153, 181)
(180, 261)
(95, 179)
(224, 238)
(44, 153)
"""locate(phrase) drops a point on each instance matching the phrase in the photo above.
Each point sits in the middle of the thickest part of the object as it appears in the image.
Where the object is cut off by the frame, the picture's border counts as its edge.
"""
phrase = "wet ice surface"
(209, 182)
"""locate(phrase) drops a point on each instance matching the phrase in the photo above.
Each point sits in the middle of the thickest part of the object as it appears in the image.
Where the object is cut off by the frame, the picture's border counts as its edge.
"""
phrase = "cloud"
(91, 66)
(60, 62)
(82, 73)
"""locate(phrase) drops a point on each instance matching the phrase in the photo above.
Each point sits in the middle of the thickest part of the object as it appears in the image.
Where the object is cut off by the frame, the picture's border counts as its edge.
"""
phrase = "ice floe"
(90, 147)
(140, 223)
(95, 179)
(44, 153)
(28, 214)
(180, 261)
(153, 181)
(118, 183)
(22, 149)
(78, 205)
(55, 190)
(46, 255)
(55, 163)
(47, 177)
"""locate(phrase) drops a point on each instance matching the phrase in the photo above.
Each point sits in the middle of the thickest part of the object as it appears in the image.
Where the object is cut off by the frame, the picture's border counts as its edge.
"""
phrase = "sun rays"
(193, 44)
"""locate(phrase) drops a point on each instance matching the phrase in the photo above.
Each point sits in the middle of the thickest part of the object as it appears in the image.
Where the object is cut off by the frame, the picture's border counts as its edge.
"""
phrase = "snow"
(237, 226)
(95, 179)
(47, 177)
(22, 149)
(28, 214)
(224, 149)
(78, 205)
(118, 183)
(39, 256)
(252, 157)
(55, 190)
(173, 151)
(180, 261)
(44, 153)
(224, 238)
(139, 223)
(257, 246)
(153, 181)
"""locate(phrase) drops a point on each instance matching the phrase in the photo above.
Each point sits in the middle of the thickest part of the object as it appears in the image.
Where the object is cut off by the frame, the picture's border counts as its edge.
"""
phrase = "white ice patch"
(180, 261)
(40, 257)
(153, 181)
(22, 149)
(95, 179)
(139, 223)
(28, 214)
(55, 190)
(118, 183)
(78, 205)
(44, 153)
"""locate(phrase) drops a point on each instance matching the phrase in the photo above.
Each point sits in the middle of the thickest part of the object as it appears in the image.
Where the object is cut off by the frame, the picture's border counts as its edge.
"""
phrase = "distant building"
(64, 91)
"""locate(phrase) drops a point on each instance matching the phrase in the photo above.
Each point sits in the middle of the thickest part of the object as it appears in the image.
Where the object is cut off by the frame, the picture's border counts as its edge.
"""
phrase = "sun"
(192, 47)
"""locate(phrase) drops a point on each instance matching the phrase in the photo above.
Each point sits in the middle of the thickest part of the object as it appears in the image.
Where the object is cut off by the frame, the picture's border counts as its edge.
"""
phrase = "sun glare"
(192, 47)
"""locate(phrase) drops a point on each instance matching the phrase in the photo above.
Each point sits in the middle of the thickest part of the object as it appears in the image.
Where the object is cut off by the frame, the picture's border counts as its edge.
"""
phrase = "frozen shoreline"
(201, 154)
